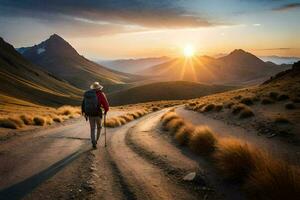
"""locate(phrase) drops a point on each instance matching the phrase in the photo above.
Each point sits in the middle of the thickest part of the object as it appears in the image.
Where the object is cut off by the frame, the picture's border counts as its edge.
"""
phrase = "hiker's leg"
(93, 126)
(99, 126)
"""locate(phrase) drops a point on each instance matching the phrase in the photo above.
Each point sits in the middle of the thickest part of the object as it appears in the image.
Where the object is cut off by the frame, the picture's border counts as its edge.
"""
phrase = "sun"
(188, 51)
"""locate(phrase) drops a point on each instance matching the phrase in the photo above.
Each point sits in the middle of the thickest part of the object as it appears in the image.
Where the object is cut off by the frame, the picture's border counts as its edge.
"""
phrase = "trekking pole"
(105, 130)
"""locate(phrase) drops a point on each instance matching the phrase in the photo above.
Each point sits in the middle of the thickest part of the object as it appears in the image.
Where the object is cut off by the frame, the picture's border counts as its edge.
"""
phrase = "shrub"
(155, 109)
(208, 108)
(168, 117)
(281, 120)
(290, 106)
(127, 117)
(237, 109)
(39, 121)
(274, 180)
(246, 113)
(282, 97)
(6, 123)
(266, 101)
(237, 97)
(218, 108)
(247, 101)
(192, 104)
(57, 119)
(235, 159)
(184, 133)
(229, 105)
(273, 95)
(199, 107)
(296, 100)
(17, 121)
(174, 124)
(203, 140)
(27, 119)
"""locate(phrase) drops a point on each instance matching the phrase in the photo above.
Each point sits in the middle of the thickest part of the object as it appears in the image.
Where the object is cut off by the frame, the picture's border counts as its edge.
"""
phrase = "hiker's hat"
(96, 86)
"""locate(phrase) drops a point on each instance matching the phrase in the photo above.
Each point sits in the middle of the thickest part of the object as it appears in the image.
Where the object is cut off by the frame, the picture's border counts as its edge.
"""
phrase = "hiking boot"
(94, 146)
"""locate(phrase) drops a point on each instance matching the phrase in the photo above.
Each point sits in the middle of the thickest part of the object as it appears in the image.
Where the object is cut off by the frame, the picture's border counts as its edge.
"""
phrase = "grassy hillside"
(177, 90)
(22, 80)
(271, 108)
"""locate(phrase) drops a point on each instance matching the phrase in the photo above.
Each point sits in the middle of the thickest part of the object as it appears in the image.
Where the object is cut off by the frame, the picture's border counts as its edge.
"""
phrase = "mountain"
(237, 68)
(23, 80)
(173, 90)
(133, 65)
(289, 76)
(280, 59)
(58, 57)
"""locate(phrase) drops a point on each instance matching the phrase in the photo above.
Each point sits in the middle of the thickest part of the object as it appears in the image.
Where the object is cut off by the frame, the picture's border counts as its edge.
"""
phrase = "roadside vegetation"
(40, 117)
(259, 174)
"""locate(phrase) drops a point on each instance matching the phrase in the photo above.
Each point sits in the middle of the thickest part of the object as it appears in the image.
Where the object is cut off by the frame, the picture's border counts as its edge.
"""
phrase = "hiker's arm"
(104, 103)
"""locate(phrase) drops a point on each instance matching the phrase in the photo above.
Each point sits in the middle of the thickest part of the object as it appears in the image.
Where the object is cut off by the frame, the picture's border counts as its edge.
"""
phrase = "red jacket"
(103, 101)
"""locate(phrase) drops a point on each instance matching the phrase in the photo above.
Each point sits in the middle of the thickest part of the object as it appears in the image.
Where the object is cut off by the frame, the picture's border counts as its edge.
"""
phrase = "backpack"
(91, 104)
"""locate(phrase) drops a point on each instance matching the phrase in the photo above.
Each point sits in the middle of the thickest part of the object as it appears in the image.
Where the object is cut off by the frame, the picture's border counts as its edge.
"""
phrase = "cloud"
(105, 13)
(287, 7)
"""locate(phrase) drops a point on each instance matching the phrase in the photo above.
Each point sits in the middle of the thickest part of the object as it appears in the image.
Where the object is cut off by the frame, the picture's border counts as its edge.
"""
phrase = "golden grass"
(184, 133)
(274, 180)
(235, 159)
(39, 121)
(27, 119)
(123, 119)
(247, 101)
(174, 124)
(7, 123)
(203, 140)
(246, 113)
(236, 109)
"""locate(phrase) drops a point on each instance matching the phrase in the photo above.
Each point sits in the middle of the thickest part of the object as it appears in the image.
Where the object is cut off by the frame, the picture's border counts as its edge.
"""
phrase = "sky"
(111, 29)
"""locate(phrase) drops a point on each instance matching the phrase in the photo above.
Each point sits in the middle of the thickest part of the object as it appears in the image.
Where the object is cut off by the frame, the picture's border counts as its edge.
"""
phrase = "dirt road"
(117, 171)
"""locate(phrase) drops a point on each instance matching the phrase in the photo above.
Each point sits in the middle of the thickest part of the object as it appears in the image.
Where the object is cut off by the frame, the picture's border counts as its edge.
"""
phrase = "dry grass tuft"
(203, 140)
(39, 121)
(7, 123)
(208, 108)
(290, 106)
(274, 179)
(235, 159)
(184, 133)
(265, 101)
(168, 117)
(283, 97)
(247, 101)
(27, 119)
(236, 109)
(174, 124)
(57, 119)
(218, 107)
(281, 120)
(273, 95)
(246, 113)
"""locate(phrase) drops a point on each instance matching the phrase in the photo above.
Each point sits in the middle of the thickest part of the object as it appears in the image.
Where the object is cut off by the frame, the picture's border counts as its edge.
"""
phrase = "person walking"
(93, 102)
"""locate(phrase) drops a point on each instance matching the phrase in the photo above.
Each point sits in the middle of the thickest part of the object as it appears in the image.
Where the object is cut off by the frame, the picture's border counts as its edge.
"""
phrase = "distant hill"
(20, 79)
(237, 68)
(280, 59)
(133, 66)
(176, 90)
(58, 57)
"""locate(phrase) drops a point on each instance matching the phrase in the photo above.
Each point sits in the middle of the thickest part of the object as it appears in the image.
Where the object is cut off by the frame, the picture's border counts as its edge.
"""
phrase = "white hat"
(96, 86)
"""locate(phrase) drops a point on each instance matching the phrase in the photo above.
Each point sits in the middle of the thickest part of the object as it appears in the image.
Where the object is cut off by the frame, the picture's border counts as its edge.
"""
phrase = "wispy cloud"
(287, 7)
(144, 13)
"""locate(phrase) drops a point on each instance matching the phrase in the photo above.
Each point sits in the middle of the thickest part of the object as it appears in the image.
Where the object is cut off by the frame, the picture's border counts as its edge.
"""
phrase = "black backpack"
(91, 104)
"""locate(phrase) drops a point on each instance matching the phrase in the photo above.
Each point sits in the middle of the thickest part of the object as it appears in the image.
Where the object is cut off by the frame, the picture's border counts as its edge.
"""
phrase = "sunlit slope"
(176, 90)
(239, 67)
(59, 58)
(23, 80)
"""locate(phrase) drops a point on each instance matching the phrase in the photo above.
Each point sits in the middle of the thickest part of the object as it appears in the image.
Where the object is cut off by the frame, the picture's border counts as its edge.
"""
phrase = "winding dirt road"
(139, 162)
(117, 172)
